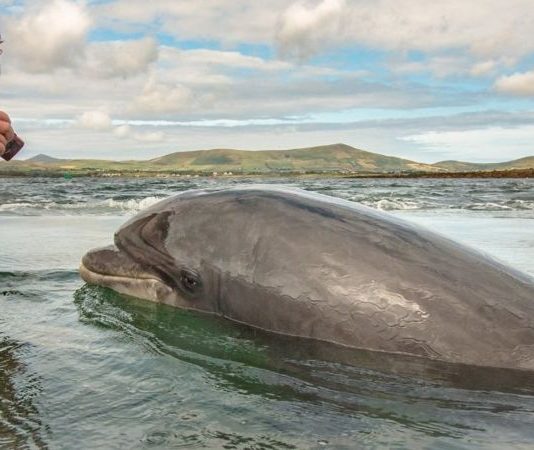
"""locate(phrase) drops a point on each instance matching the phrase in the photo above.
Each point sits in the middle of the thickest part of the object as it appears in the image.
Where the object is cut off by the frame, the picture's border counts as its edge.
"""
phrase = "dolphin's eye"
(190, 281)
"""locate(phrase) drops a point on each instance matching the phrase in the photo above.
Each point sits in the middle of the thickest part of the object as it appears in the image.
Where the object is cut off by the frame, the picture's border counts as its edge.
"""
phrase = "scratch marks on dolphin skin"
(417, 347)
(525, 356)
(395, 309)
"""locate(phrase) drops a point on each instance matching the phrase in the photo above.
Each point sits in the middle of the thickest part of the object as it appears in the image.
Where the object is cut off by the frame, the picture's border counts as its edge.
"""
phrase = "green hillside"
(460, 166)
(329, 158)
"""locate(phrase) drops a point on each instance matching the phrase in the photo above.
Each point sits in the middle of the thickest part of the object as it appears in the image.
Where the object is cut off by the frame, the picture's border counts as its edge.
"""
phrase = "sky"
(136, 79)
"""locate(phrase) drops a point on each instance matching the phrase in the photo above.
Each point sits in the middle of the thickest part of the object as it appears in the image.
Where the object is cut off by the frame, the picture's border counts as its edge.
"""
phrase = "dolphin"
(307, 265)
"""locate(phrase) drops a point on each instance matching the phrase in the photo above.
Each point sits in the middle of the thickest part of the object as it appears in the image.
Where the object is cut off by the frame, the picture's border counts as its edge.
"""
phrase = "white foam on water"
(389, 204)
(132, 204)
(522, 204)
(92, 207)
(15, 206)
(488, 206)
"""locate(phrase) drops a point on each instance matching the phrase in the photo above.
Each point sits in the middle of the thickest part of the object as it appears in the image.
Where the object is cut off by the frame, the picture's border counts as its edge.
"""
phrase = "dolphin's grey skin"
(308, 265)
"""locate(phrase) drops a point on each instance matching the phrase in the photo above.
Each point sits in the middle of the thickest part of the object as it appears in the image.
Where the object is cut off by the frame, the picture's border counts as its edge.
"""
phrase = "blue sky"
(133, 79)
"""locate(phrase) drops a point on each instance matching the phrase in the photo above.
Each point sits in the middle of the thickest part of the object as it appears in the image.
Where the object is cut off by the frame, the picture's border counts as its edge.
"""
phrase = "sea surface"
(83, 367)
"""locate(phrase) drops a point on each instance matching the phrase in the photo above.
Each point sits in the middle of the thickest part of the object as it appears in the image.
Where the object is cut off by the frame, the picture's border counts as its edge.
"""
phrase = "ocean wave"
(389, 204)
(487, 206)
(6, 207)
(522, 204)
(108, 206)
(508, 205)
(132, 204)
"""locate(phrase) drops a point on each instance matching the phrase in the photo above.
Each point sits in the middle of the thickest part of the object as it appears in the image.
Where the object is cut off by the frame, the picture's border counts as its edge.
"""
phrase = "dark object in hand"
(13, 147)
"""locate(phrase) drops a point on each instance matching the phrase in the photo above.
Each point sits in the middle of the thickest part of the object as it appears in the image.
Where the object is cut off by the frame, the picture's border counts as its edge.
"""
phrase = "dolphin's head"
(146, 263)
(210, 250)
(227, 251)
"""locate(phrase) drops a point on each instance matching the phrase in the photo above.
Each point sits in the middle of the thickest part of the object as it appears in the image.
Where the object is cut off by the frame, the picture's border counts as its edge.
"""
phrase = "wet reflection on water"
(20, 425)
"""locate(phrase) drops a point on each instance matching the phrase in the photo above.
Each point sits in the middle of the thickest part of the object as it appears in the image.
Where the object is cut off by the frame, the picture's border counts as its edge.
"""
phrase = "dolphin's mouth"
(109, 267)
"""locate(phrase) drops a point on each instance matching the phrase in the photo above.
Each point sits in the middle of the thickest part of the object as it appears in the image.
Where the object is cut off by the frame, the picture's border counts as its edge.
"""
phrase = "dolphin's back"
(337, 271)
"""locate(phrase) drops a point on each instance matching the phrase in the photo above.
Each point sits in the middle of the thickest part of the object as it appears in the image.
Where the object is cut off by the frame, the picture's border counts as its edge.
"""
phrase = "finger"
(10, 134)
(2, 149)
(6, 131)
(4, 117)
(4, 127)
(3, 140)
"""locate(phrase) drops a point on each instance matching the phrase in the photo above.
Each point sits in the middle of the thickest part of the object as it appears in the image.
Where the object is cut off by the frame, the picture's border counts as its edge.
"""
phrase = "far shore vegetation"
(516, 173)
(337, 160)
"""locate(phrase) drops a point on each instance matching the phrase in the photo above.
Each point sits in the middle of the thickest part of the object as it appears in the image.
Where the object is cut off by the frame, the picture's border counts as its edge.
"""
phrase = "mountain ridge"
(526, 162)
(42, 158)
(324, 158)
(333, 158)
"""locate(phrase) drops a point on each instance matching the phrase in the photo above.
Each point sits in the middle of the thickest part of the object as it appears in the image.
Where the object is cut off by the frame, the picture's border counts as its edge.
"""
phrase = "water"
(83, 367)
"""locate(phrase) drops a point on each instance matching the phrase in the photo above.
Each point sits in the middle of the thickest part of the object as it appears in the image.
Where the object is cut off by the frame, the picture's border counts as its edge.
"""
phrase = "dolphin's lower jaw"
(145, 288)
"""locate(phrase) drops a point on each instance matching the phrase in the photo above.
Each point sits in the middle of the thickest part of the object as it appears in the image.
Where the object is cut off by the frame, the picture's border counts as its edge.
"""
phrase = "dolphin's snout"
(94, 258)
(112, 262)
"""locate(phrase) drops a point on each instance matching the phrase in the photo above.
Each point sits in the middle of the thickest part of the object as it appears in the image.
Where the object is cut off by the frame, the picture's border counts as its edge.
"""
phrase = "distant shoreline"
(512, 173)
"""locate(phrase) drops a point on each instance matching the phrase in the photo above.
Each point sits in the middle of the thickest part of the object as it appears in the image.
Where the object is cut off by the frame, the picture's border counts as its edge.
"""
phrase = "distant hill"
(41, 158)
(460, 166)
(335, 158)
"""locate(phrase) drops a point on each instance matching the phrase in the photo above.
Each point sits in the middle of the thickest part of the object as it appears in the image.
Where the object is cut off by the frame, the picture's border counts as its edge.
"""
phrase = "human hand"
(6, 131)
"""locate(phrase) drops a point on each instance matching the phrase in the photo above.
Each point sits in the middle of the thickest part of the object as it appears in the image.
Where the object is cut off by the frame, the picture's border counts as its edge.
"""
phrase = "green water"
(83, 367)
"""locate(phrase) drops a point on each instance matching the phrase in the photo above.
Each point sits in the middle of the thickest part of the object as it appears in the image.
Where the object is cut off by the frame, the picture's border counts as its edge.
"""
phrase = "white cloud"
(517, 84)
(481, 144)
(94, 120)
(162, 98)
(120, 58)
(304, 28)
(127, 131)
(154, 136)
(483, 68)
(223, 58)
(200, 84)
(122, 131)
(440, 66)
(485, 28)
(49, 35)
(225, 21)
